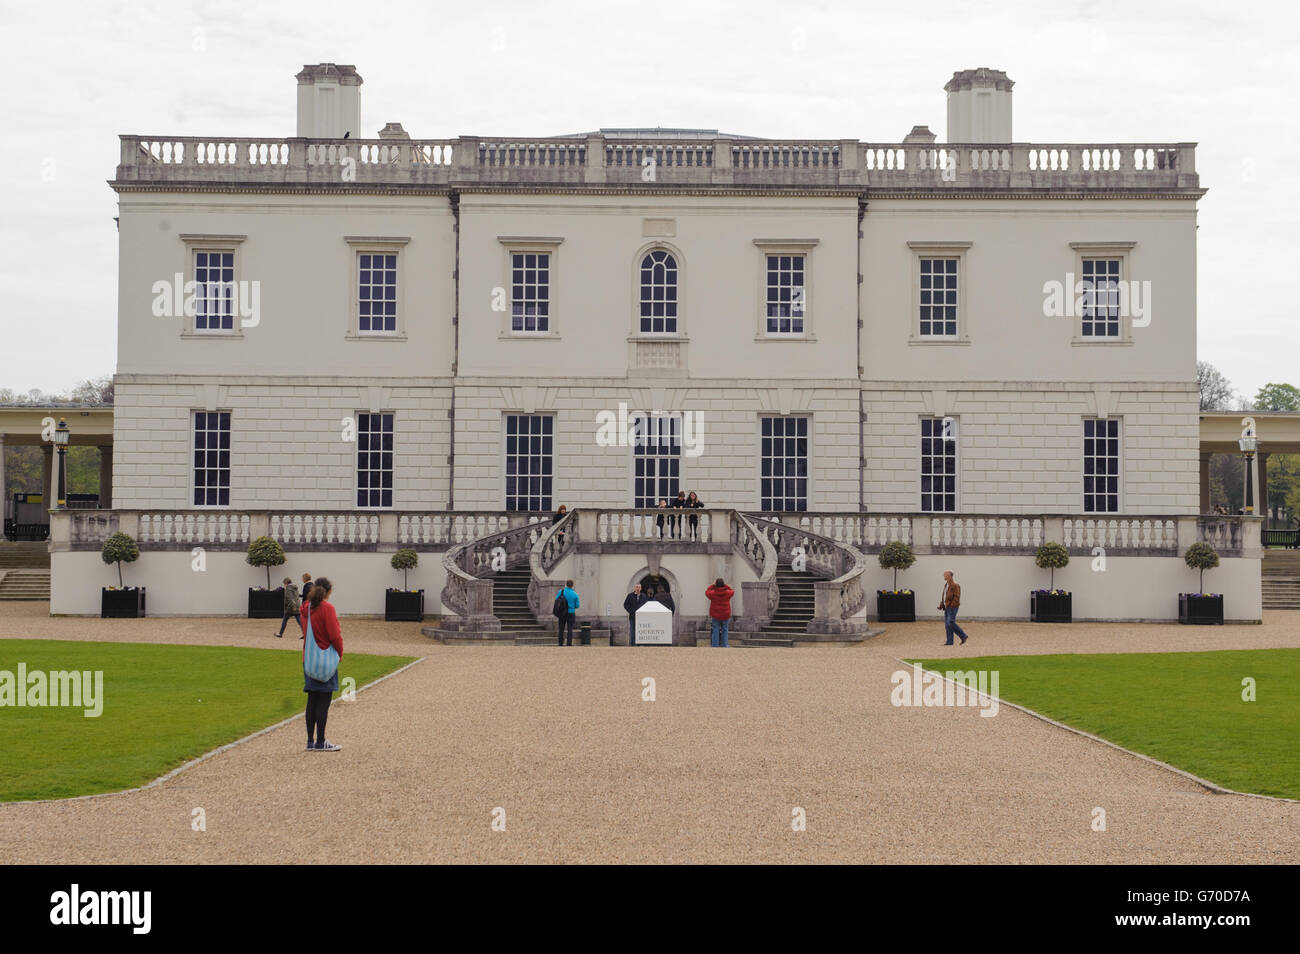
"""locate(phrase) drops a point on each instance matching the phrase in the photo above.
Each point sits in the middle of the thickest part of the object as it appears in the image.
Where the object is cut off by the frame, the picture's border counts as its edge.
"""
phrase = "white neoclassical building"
(357, 343)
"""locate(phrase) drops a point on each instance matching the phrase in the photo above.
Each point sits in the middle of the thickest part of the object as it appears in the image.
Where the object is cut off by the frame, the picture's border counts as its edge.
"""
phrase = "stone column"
(48, 477)
(1205, 483)
(105, 476)
(1263, 487)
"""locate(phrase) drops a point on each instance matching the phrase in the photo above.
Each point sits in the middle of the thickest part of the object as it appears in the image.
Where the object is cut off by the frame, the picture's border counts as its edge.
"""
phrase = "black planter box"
(266, 604)
(895, 607)
(1049, 608)
(404, 605)
(1196, 610)
(121, 604)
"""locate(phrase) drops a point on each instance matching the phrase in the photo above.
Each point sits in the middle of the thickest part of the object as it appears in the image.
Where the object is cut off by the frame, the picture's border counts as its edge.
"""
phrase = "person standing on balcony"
(659, 520)
(719, 596)
(679, 503)
(949, 603)
(292, 604)
(635, 600)
(694, 503)
(570, 597)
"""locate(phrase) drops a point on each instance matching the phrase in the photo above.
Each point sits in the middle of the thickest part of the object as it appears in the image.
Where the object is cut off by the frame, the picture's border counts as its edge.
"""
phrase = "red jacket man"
(719, 595)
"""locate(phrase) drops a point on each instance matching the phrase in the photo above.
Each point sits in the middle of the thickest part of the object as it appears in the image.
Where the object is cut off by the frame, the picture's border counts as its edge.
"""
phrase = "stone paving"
(711, 771)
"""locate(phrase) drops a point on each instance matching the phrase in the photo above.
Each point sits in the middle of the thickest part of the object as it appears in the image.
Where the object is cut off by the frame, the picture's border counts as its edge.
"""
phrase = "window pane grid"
(656, 459)
(938, 466)
(783, 464)
(529, 456)
(939, 297)
(1100, 466)
(786, 294)
(659, 293)
(377, 292)
(374, 460)
(212, 458)
(530, 283)
(214, 295)
(1100, 311)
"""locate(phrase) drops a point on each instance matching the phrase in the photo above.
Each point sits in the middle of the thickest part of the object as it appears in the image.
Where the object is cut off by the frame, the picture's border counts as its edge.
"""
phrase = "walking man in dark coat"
(949, 602)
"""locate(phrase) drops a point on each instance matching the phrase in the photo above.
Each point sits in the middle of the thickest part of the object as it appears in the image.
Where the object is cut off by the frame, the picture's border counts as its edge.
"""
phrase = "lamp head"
(61, 432)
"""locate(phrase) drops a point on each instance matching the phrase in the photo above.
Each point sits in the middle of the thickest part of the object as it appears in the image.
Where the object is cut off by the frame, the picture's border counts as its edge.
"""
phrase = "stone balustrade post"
(478, 606)
(1054, 529)
(259, 524)
(921, 539)
(594, 172)
(60, 530)
(753, 604)
(387, 532)
(1188, 533)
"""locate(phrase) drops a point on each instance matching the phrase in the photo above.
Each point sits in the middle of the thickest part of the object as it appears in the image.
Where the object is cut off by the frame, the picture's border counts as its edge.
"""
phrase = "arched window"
(658, 293)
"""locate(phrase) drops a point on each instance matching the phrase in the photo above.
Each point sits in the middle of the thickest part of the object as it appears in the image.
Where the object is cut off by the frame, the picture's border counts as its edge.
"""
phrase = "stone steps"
(25, 584)
(1281, 592)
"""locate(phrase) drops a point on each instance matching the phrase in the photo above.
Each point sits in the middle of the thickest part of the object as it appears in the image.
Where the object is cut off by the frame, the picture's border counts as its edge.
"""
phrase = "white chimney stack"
(979, 106)
(329, 101)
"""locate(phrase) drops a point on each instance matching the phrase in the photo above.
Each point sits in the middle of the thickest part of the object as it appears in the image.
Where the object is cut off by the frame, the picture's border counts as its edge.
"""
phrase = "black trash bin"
(584, 634)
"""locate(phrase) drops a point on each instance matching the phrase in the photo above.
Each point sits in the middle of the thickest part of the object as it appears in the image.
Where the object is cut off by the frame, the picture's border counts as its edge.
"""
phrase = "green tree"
(1278, 397)
(265, 551)
(120, 548)
(405, 559)
(1052, 556)
(896, 555)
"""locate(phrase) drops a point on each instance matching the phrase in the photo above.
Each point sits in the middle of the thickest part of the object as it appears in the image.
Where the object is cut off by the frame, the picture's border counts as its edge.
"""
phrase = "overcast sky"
(1220, 74)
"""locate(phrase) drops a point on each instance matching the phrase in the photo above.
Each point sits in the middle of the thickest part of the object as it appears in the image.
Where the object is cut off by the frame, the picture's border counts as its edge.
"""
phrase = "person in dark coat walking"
(292, 604)
(635, 600)
(663, 596)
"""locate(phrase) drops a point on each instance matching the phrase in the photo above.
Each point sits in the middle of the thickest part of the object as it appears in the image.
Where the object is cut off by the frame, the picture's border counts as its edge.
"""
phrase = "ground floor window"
(529, 456)
(1101, 466)
(783, 464)
(211, 458)
(374, 460)
(938, 465)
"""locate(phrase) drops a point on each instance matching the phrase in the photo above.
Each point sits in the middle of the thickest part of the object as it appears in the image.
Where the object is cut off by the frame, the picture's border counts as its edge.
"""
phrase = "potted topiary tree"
(1203, 609)
(265, 603)
(896, 606)
(404, 604)
(121, 601)
(1051, 605)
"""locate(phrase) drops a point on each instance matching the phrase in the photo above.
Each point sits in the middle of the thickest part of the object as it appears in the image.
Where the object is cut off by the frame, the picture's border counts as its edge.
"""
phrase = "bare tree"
(1216, 390)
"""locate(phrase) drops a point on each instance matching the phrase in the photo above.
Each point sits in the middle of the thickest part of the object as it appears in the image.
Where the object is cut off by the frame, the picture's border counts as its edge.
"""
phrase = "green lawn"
(163, 705)
(1182, 708)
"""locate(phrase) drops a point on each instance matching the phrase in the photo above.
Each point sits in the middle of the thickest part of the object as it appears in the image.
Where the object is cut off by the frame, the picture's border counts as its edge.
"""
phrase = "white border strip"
(204, 757)
(1204, 783)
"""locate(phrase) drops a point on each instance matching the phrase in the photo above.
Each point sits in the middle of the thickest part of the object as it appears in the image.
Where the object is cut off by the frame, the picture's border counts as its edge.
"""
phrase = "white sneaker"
(328, 747)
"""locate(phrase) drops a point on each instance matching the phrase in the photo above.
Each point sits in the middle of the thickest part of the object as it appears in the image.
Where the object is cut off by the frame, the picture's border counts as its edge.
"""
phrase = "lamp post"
(1248, 444)
(61, 434)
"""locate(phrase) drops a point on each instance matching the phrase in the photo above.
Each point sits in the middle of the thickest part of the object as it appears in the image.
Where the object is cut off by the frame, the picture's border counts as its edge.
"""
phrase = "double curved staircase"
(807, 587)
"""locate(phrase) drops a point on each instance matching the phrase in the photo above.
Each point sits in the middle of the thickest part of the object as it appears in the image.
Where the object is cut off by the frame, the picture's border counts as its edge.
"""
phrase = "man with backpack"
(565, 611)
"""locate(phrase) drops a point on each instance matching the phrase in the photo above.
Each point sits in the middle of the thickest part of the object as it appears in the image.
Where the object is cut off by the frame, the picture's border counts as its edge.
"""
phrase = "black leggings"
(318, 710)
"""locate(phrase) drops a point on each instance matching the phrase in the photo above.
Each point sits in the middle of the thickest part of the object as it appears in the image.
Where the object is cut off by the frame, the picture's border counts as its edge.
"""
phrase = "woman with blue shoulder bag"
(321, 651)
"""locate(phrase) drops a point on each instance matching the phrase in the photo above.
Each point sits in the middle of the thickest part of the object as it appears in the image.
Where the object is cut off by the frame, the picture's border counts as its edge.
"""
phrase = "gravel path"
(709, 772)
